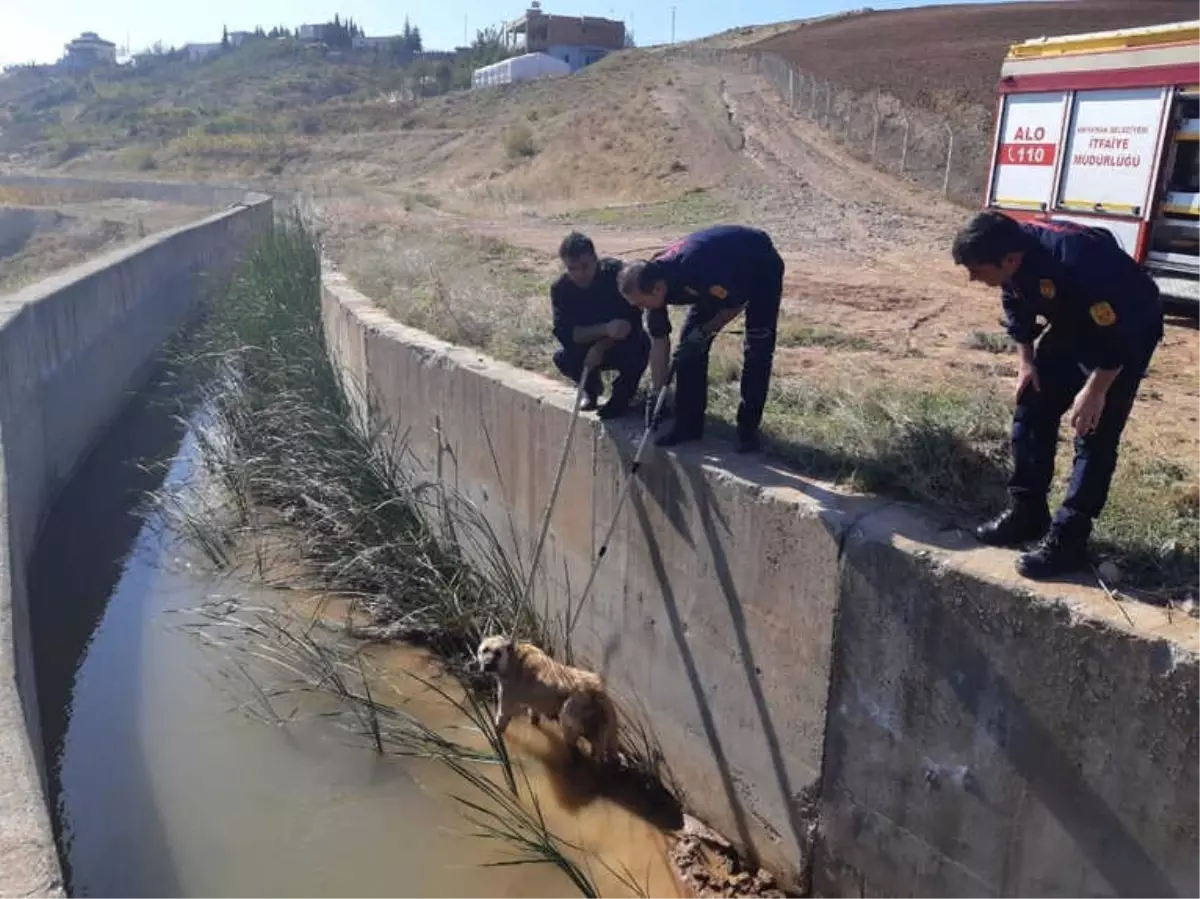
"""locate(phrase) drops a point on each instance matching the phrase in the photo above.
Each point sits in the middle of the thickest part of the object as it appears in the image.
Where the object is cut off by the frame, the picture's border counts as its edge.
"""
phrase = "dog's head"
(494, 654)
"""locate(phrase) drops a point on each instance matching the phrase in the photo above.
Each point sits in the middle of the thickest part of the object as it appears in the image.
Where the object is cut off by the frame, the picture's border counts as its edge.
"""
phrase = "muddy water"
(162, 786)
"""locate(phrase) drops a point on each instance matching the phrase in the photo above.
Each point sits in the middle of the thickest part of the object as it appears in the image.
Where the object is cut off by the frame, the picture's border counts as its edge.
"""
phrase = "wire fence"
(929, 151)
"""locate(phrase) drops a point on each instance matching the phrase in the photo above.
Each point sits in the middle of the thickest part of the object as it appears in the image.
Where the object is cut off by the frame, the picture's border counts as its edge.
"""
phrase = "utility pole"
(672, 24)
(465, 44)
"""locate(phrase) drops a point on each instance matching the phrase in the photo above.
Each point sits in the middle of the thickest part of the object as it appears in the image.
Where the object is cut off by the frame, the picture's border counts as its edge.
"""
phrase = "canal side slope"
(865, 701)
(71, 348)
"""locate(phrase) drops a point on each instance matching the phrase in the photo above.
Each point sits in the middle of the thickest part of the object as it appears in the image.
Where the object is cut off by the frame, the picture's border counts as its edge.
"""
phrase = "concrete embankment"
(854, 695)
(71, 349)
(51, 189)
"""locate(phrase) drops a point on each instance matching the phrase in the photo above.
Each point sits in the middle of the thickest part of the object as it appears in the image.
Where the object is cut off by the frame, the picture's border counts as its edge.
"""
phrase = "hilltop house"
(313, 33)
(576, 40)
(197, 52)
(89, 50)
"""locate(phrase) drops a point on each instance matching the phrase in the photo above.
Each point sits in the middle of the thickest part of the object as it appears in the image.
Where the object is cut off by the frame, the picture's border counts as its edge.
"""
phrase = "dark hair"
(987, 238)
(639, 276)
(576, 244)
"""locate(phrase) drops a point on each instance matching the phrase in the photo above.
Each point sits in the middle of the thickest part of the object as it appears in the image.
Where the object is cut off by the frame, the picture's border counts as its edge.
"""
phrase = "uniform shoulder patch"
(691, 291)
(718, 291)
(1046, 286)
(1102, 314)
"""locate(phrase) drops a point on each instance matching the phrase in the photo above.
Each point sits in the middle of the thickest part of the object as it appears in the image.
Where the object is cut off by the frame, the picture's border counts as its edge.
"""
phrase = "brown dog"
(531, 681)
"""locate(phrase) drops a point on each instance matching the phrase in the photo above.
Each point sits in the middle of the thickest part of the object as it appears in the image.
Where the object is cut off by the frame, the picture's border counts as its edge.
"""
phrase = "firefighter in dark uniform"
(1105, 320)
(597, 328)
(719, 272)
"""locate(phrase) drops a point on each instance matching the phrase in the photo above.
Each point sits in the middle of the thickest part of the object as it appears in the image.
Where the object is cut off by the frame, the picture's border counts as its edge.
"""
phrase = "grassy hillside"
(947, 58)
(640, 125)
(265, 87)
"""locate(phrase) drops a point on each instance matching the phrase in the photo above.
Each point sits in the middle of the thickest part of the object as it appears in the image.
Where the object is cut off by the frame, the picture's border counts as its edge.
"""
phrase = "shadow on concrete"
(710, 518)
(691, 670)
(80, 557)
(956, 661)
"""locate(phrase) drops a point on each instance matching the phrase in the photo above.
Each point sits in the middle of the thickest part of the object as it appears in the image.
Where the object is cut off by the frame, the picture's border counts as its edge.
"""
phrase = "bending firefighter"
(719, 272)
(1105, 320)
(596, 328)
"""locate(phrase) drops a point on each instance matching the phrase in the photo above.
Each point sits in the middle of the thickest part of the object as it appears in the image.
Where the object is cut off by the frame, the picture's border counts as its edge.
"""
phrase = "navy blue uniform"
(720, 268)
(1103, 312)
(598, 303)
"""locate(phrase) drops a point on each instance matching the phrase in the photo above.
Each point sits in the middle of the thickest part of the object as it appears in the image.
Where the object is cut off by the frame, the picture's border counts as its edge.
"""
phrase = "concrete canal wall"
(72, 347)
(859, 697)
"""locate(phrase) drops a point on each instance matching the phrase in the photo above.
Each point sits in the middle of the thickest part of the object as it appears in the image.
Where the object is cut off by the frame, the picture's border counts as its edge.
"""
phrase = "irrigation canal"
(162, 785)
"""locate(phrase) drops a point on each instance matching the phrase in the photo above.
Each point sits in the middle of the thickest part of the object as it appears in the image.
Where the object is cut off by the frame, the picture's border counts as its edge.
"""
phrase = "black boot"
(679, 434)
(748, 442)
(589, 403)
(614, 408)
(1024, 521)
(1064, 550)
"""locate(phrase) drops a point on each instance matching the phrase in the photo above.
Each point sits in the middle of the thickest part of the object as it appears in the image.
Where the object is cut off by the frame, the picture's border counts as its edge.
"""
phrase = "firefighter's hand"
(595, 355)
(618, 329)
(1027, 376)
(1086, 410)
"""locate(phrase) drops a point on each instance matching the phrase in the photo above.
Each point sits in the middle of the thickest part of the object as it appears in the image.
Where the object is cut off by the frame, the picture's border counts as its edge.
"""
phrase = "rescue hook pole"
(558, 476)
(633, 470)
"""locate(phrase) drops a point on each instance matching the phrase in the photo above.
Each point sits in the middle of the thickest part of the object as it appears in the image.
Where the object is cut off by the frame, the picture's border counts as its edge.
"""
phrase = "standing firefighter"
(598, 330)
(719, 272)
(1105, 320)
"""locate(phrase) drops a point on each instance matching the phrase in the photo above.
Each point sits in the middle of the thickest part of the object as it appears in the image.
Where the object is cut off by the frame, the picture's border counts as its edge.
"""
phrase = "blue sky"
(35, 30)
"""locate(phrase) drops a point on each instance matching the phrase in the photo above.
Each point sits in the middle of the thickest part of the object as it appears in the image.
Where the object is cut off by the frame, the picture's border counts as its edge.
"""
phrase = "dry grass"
(470, 290)
(39, 240)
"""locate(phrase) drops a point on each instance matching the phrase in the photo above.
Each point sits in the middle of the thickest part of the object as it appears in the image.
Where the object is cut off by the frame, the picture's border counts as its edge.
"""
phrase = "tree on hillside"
(412, 37)
(224, 37)
(630, 43)
(341, 34)
(488, 47)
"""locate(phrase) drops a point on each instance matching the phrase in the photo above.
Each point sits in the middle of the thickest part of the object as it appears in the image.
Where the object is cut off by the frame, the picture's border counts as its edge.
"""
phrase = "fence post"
(875, 128)
(828, 102)
(812, 108)
(791, 87)
(949, 159)
(904, 148)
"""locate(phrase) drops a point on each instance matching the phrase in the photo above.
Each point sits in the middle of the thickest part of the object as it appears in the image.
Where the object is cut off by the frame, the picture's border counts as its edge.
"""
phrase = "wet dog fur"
(531, 681)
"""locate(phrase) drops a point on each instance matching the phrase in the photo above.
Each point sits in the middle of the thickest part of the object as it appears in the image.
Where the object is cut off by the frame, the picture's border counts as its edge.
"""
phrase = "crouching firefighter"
(719, 272)
(597, 329)
(1105, 321)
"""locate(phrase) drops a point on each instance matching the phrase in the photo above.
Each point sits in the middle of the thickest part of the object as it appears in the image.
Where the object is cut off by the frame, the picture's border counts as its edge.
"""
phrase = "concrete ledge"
(61, 188)
(837, 686)
(71, 349)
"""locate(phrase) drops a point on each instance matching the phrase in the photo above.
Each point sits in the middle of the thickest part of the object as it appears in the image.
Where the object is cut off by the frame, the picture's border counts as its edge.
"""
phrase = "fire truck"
(1103, 129)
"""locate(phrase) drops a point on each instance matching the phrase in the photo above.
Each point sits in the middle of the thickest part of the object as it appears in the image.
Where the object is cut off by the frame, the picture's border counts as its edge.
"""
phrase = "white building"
(519, 68)
(197, 52)
(313, 32)
(88, 50)
(237, 38)
(375, 43)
